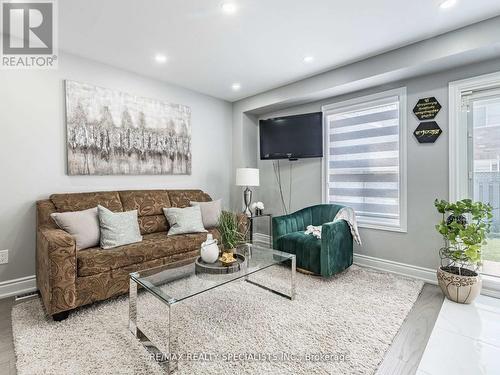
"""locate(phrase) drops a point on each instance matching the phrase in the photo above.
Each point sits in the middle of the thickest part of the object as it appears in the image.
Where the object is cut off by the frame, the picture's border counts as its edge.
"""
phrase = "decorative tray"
(218, 267)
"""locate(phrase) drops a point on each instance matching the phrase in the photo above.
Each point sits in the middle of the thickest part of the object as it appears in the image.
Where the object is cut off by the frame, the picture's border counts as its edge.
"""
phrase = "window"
(365, 158)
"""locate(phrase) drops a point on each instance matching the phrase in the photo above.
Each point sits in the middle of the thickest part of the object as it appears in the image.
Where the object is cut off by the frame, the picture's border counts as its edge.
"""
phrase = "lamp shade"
(247, 177)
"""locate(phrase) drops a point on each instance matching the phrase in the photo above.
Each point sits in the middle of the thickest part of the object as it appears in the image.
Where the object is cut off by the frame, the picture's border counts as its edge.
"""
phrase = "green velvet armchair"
(326, 256)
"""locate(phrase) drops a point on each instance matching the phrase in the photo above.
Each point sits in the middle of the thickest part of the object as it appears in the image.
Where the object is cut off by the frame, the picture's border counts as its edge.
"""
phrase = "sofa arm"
(336, 247)
(56, 269)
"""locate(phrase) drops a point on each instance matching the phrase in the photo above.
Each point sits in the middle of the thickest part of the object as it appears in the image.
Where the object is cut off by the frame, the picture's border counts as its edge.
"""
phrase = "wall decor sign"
(427, 108)
(427, 132)
(114, 133)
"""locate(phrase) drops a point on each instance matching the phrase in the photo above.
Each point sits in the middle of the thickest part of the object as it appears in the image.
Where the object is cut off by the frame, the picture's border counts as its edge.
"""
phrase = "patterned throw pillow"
(184, 220)
(118, 228)
(82, 225)
(210, 212)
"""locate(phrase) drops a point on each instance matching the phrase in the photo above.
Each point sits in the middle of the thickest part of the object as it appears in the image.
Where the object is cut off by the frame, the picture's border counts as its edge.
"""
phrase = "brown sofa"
(68, 278)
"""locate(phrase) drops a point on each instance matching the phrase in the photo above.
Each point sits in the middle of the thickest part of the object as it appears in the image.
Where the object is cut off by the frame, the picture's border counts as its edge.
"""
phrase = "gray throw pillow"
(118, 228)
(82, 225)
(184, 220)
(210, 212)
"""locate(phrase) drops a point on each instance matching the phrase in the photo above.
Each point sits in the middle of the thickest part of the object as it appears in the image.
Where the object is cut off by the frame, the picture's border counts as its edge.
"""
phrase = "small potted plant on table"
(464, 227)
(231, 236)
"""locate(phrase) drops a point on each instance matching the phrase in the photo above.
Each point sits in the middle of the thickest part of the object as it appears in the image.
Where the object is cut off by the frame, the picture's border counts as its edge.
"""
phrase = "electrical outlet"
(4, 256)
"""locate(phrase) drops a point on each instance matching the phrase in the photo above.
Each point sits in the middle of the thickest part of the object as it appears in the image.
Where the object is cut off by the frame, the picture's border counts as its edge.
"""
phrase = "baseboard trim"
(19, 286)
(426, 274)
(491, 285)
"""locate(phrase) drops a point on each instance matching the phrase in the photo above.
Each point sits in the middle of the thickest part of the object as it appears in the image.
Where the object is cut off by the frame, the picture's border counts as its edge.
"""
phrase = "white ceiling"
(262, 45)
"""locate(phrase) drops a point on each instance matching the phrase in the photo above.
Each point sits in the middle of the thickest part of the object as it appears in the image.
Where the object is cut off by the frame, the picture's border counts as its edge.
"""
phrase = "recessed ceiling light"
(236, 86)
(160, 58)
(228, 8)
(447, 4)
(308, 59)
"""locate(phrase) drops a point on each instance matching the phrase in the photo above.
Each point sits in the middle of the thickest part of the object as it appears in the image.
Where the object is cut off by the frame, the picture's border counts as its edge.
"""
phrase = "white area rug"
(352, 317)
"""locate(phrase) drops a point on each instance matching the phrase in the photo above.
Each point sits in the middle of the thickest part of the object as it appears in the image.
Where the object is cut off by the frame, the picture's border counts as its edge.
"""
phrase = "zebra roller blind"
(363, 160)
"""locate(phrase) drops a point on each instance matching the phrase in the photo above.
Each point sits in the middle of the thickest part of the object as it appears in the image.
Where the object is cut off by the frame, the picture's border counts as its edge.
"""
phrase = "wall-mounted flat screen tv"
(292, 137)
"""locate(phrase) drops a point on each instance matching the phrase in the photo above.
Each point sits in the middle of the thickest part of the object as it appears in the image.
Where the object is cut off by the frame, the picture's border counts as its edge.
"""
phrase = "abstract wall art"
(114, 133)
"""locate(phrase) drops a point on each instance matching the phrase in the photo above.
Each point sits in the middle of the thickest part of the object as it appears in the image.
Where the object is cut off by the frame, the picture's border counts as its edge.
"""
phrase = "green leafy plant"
(464, 232)
(230, 231)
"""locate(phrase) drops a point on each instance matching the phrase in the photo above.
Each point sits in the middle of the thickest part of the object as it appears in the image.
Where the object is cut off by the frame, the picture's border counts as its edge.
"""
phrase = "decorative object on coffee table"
(209, 250)
(461, 253)
(227, 259)
(247, 177)
(230, 233)
(219, 268)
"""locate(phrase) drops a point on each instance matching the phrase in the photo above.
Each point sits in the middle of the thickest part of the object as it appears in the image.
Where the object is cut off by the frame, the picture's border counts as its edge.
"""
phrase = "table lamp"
(247, 177)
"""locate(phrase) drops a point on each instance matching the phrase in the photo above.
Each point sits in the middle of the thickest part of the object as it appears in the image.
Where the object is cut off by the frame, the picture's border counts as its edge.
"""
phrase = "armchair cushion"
(306, 247)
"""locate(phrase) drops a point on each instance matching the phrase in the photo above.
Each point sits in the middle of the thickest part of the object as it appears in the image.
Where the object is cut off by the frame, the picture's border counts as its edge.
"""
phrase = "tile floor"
(465, 339)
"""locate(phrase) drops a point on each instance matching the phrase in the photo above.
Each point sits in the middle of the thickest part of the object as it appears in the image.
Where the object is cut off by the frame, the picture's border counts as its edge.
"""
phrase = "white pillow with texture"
(118, 228)
(210, 212)
(184, 220)
(82, 225)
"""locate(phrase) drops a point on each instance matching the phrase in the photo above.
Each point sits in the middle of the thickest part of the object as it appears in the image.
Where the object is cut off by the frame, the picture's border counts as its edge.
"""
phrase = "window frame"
(458, 158)
(361, 102)
(457, 133)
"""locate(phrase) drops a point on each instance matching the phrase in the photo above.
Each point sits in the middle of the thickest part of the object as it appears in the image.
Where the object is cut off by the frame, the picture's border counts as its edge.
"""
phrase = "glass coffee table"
(174, 285)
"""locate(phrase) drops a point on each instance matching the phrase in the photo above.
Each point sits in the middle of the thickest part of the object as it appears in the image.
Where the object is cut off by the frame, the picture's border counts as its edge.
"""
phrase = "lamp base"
(247, 198)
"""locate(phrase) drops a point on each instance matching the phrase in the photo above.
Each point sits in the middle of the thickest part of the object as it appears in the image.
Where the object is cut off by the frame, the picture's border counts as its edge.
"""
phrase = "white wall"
(471, 44)
(427, 172)
(32, 147)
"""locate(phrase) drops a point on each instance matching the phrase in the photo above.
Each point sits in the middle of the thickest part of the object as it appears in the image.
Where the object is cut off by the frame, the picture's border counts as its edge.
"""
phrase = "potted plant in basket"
(231, 236)
(464, 227)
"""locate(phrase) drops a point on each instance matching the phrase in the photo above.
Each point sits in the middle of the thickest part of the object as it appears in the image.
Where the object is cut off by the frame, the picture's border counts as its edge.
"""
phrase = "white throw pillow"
(82, 225)
(184, 220)
(210, 212)
(118, 228)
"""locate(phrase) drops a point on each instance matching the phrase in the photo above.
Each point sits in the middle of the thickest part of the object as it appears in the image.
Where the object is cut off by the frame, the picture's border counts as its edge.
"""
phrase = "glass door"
(483, 147)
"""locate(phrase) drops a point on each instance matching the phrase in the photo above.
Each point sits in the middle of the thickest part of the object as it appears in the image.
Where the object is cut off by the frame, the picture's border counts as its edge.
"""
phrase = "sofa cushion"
(182, 198)
(153, 224)
(146, 202)
(153, 246)
(306, 247)
(84, 201)
(149, 204)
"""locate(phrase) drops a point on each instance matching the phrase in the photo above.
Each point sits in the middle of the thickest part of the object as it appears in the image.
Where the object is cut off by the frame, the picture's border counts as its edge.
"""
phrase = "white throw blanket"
(315, 231)
(347, 214)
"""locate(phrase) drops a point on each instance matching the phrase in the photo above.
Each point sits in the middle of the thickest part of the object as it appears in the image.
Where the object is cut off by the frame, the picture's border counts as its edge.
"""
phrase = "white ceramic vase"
(209, 250)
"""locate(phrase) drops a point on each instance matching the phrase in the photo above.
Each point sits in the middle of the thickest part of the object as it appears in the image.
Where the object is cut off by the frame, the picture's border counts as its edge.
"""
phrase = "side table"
(270, 217)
